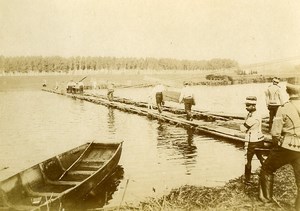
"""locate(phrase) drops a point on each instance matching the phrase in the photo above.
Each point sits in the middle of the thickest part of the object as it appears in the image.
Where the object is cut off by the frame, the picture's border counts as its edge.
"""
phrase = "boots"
(189, 116)
(297, 202)
(247, 174)
(266, 187)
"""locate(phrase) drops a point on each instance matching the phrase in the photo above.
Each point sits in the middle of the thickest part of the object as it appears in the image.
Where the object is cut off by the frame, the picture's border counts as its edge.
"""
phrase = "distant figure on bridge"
(254, 137)
(158, 93)
(187, 97)
(44, 83)
(56, 85)
(286, 134)
(273, 99)
(110, 91)
(81, 86)
(76, 88)
(70, 86)
(94, 85)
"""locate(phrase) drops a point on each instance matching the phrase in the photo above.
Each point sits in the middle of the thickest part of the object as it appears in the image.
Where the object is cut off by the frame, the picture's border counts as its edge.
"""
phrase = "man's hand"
(243, 128)
(275, 140)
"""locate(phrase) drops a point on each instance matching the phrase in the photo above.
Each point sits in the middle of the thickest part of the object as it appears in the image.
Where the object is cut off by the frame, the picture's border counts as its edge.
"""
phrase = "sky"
(246, 31)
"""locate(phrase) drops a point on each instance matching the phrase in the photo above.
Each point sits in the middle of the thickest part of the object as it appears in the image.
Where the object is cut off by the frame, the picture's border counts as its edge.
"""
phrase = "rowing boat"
(53, 182)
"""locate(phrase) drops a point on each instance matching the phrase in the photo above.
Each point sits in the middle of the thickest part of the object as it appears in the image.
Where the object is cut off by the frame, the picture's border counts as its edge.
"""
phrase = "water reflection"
(155, 154)
(179, 144)
(111, 120)
(101, 194)
(190, 135)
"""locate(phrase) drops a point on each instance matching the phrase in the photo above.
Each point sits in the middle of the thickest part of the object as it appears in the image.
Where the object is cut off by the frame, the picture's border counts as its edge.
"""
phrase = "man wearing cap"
(187, 97)
(254, 137)
(286, 133)
(273, 99)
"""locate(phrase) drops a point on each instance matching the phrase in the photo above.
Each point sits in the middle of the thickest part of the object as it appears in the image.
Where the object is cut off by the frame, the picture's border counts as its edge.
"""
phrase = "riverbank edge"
(234, 195)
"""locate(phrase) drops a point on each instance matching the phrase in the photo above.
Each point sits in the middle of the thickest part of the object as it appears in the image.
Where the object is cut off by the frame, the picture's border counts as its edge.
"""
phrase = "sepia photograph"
(149, 105)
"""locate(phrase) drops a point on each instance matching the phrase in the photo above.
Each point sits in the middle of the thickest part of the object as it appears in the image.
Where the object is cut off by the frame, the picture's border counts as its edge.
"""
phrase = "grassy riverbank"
(233, 196)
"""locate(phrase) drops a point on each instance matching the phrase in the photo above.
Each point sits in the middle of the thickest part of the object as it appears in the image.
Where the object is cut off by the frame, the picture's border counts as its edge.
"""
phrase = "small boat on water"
(51, 183)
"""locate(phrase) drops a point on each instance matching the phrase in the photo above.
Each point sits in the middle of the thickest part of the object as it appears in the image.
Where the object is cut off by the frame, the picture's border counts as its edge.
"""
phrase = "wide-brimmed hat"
(293, 83)
(275, 80)
(251, 100)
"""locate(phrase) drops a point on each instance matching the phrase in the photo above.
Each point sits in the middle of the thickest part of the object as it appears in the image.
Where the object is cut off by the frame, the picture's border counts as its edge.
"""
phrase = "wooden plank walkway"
(204, 122)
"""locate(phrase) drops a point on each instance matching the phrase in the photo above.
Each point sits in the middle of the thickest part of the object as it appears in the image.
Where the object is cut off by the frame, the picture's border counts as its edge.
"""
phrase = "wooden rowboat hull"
(54, 182)
(171, 96)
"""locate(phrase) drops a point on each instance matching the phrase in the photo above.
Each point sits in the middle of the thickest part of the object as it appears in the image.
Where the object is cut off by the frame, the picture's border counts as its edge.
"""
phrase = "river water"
(156, 157)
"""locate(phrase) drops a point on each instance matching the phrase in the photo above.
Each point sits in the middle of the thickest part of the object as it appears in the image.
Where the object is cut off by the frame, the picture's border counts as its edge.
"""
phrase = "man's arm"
(250, 122)
(267, 97)
(280, 97)
(277, 125)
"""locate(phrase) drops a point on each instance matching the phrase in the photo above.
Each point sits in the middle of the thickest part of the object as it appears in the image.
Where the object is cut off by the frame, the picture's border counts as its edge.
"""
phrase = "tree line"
(25, 64)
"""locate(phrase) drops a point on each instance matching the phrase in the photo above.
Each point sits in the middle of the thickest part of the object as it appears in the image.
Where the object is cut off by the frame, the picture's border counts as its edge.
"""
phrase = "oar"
(83, 79)
(123, 194)
(66, 171)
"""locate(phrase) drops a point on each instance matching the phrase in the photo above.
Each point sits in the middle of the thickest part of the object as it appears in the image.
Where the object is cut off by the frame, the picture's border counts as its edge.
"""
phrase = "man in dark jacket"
(286, 134)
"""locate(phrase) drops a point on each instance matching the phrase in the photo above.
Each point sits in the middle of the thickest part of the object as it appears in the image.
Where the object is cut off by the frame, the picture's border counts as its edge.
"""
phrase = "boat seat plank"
(47, 194)
(88, 167)
(81, 172)
(94, 160)
(62, 182)
(18, 207)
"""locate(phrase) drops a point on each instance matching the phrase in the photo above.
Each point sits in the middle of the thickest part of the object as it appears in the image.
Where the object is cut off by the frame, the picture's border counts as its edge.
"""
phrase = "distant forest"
(25, 64)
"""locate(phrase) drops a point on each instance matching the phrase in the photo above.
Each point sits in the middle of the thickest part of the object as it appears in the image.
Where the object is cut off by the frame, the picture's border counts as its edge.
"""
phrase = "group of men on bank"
(284, 126)
(75, 87)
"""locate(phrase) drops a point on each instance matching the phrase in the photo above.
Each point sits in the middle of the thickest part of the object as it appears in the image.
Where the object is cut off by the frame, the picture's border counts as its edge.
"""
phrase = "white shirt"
(252, 127)
(186, 91)
(273, 95)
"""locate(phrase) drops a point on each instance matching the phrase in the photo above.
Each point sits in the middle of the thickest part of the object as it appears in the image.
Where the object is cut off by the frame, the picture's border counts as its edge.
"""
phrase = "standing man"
(254, 137)
(158, 92)
(273, 99)
(81, 86)
(187, 97)
(110, 91)
(286, 133)
(70, 86)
